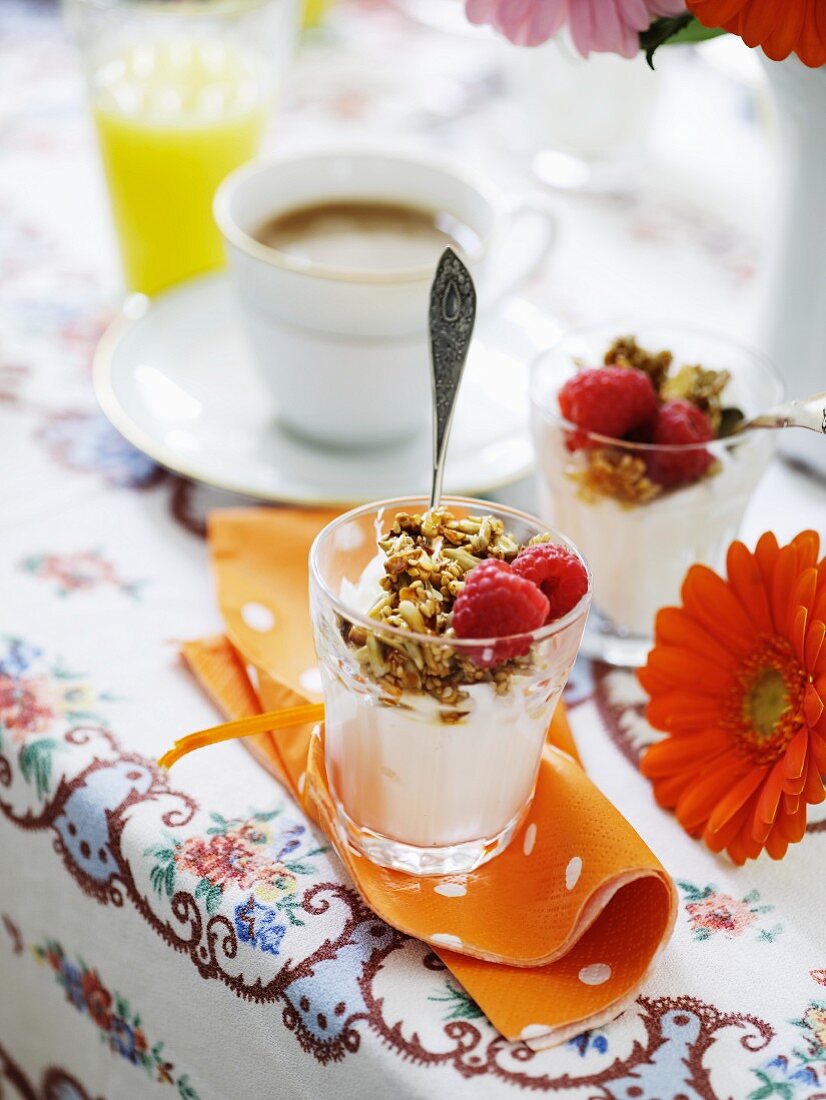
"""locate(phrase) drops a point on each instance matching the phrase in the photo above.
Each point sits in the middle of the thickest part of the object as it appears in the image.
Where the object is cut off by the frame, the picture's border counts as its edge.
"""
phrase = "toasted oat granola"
(426, 560)
(610, 472)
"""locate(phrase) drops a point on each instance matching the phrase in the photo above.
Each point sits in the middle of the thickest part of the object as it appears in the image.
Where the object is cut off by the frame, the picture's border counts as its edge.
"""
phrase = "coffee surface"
(366, 235)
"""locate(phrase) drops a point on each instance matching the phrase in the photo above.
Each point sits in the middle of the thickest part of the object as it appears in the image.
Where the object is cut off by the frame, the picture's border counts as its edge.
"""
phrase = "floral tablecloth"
(191, 933)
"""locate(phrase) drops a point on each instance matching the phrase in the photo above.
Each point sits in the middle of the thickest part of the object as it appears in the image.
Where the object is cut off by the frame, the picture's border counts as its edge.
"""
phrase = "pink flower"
(604, 26)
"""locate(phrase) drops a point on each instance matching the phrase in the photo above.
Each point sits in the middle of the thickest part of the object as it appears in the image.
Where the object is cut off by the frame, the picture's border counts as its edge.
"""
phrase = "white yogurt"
(639, 554)
(405, 774)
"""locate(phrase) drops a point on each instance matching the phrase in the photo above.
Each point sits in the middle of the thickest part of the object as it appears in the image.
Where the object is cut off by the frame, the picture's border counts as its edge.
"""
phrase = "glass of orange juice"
(180, 92)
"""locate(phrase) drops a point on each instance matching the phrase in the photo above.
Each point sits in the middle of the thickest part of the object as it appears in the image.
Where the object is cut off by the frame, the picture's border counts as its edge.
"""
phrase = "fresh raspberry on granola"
(557, 572)
(680, 423)
(611, 401)
(495, 603)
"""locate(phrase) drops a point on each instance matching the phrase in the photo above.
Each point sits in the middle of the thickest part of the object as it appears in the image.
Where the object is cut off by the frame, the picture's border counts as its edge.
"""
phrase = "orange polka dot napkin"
(553, 936)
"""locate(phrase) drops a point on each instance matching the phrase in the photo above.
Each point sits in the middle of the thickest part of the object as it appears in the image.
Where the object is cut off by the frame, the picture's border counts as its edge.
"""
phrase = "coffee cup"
(343, 346)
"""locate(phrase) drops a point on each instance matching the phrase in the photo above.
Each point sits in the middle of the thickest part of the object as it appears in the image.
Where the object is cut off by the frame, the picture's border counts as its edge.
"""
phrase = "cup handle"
(532, 226)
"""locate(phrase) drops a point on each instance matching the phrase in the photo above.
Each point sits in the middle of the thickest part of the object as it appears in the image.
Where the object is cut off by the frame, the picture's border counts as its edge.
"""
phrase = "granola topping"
(426, 559)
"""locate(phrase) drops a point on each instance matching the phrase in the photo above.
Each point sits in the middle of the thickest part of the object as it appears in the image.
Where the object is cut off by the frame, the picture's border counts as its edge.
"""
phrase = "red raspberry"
(495, 603)
(612, 401)
(557, 572)
(680, 422)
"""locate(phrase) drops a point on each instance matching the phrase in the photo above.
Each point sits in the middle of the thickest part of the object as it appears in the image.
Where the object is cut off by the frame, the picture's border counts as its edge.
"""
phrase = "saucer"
(175, 377)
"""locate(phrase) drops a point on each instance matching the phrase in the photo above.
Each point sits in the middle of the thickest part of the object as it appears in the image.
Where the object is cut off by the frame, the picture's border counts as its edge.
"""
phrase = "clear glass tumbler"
(639, 540)
(429, 776)
(180, 92)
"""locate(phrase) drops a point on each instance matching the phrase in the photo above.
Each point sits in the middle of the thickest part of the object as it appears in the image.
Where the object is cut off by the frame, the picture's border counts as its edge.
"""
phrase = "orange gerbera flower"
(779, 26)
(737, 678)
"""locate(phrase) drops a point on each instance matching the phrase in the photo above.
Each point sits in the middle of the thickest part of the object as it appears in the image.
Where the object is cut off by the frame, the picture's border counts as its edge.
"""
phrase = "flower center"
(765, 706)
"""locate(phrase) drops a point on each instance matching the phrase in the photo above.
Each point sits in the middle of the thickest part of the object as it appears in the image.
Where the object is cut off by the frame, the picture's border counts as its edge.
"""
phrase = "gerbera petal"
(812, 705)
(698, 800)
(682, 668)
(817, 748)
(805, 588)
(790, 802)
(811, 42)
(783, 580)
(807, 542)
(795, 759)
(793, 824)
(744, 846)
(797, 633)
(718, 839)
(765, 554)
(766, 808)
(732, 802)
(757, 20)
(683, 714)
(814, 644)
(780, 43)
(669, 790)
(777, 843)
(674, 627)
(709, 600)
(747, 584)
(681, 754)
(814, 790)
(715, 13)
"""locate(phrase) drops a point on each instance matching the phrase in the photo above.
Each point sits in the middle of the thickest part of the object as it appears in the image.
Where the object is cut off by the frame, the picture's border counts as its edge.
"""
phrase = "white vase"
(793, 316)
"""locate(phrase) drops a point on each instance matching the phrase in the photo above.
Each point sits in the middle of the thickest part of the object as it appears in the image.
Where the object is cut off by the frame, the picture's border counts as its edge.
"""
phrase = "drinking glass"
(180, 93)
(428, 775)
(640, 550)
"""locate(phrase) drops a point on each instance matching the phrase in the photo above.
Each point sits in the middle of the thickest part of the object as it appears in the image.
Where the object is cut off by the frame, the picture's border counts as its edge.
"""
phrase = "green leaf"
(202, 887)
(214, 897)
(169, 879)
(299, 868)
(36, 763)
(676, 30)
(269, 816)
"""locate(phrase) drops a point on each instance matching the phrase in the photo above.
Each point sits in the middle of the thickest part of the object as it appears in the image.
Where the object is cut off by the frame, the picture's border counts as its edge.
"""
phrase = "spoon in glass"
(451, 317)
(808, 412)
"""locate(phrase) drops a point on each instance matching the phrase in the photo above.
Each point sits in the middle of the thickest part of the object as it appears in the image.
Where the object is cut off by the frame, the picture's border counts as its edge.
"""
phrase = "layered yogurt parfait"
(636, 460)
(445, 639)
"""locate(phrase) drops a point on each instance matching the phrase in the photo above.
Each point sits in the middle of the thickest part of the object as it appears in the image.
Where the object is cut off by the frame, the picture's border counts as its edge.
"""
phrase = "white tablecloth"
(191, 933)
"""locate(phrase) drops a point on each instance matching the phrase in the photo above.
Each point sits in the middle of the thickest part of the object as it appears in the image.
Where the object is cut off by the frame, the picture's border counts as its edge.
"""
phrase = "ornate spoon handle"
(808, 412)
(452, 314)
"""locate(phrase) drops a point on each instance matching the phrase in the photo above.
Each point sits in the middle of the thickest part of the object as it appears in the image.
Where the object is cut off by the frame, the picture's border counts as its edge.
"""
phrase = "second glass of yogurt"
(432, 742)
(643, 513)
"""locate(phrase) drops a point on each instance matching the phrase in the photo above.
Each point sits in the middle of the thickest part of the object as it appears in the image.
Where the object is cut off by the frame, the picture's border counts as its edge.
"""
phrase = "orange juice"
(173, 118)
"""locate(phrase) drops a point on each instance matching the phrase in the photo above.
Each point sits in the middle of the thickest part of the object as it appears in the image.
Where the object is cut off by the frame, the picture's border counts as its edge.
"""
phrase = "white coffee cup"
(345, 352)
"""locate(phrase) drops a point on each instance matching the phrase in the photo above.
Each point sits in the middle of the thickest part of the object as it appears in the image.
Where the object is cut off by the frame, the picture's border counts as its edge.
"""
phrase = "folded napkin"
(553, 936)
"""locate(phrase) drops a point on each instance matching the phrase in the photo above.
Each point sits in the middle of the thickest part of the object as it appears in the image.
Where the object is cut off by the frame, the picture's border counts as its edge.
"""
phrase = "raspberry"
(557, 572)
(612, 401)
(495, 603)
(680, 422)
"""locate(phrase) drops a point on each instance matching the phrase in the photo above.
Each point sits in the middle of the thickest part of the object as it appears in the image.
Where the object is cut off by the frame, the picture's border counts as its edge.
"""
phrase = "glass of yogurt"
(432, 743)
(640, 536)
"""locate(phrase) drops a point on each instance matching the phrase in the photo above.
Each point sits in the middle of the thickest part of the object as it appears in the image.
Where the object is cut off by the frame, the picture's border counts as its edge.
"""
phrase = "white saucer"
(175, 377)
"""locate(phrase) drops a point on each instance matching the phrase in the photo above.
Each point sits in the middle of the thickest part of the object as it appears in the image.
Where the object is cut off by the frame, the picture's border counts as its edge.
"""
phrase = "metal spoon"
(808, 412)
(452, 314)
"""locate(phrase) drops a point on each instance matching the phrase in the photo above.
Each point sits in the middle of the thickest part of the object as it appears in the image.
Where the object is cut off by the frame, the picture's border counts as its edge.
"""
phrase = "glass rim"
(719, 443)
(462, 644)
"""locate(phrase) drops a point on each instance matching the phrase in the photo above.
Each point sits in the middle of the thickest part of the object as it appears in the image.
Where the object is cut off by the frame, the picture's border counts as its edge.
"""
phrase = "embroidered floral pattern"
(87, 442)
(253, 857)
(119, 1025)
(79, 572)
(794, 1074)
(711, 912)
(37, 697)
(459, 1005)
